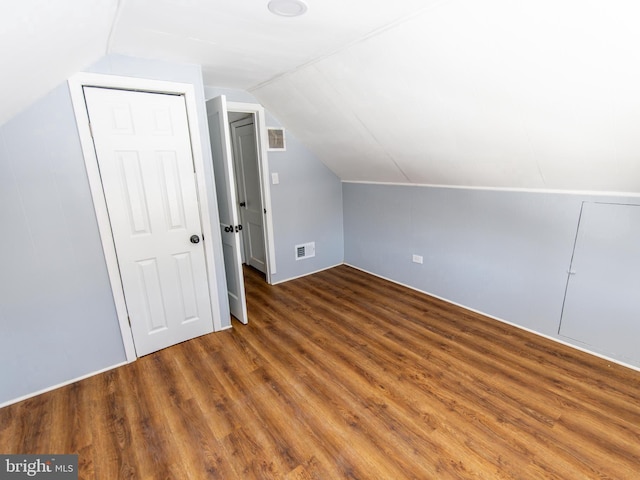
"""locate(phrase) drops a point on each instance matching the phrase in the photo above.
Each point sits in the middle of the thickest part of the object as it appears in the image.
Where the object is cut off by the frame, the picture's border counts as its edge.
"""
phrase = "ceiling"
(540, 94)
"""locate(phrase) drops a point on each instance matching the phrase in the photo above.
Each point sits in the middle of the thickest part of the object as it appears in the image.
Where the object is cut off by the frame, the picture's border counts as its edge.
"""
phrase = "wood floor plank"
(111, 430)
(441, 315)
(342, 412)
(197, 369)
(596, 431)
(147, 425)
(326, 348)
(344, 375)
(487, 355)
(329, 380)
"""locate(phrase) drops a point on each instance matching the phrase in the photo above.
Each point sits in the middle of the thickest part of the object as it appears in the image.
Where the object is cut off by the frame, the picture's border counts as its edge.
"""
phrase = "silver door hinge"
(91, 130)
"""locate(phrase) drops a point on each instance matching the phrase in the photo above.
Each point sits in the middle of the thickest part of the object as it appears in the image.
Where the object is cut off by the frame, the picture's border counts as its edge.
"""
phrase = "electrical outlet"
(417, 258)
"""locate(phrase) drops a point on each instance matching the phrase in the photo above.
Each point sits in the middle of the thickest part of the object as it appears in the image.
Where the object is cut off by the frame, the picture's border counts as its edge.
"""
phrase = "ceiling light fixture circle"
(287, 8)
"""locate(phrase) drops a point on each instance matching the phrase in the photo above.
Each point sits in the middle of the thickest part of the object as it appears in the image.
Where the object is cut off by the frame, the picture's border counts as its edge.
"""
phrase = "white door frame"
(76, 84)
(263, 171)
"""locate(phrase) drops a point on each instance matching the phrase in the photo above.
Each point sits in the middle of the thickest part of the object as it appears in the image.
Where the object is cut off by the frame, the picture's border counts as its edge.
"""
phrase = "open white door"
(225, 191)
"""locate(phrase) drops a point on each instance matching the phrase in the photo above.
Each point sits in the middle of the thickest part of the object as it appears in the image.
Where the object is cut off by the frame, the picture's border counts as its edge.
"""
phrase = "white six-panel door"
(144, 155)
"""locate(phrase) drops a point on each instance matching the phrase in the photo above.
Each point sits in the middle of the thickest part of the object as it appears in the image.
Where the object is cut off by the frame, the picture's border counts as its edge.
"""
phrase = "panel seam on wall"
(573, 254)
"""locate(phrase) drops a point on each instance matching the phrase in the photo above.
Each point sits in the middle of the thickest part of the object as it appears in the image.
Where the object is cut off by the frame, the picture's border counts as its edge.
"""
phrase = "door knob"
(243, 204)
(228, 229)
(195, 239)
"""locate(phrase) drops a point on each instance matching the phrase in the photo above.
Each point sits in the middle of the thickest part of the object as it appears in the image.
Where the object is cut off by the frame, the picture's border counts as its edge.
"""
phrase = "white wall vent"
(306, 250)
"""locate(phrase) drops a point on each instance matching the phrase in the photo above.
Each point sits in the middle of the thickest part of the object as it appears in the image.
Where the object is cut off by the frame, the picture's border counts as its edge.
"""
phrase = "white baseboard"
(555, 339)
(307, 274)
(63, 384)
(548, 337)
(83, 377)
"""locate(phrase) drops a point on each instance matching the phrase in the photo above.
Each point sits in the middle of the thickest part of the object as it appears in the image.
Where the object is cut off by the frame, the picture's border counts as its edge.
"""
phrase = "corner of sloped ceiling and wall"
(44, 43)
(525, 95)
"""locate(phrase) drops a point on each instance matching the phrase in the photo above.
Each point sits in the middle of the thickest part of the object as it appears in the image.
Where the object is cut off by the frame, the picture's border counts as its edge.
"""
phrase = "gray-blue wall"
(502, 253)
(306, 204)
(57, 316)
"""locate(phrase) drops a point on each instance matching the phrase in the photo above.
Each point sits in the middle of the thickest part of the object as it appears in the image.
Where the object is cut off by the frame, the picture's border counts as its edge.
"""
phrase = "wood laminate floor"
(343, 375)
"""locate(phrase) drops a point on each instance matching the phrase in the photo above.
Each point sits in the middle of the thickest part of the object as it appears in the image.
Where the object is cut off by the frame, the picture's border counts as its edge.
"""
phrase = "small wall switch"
(417, 259)
(275, 179)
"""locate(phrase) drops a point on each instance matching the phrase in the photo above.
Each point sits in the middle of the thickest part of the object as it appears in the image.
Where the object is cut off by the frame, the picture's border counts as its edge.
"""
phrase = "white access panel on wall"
(602, 301)
(143, 148)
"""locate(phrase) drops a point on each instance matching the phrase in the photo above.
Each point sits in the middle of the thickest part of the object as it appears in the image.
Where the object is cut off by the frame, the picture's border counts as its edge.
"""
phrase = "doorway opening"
(244, 152)
(238, 146)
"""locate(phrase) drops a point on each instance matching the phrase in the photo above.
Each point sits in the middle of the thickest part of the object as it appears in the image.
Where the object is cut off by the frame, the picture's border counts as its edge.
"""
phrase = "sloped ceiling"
(239, 43)
(534, 94)
(43, 42)
(527, 94)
